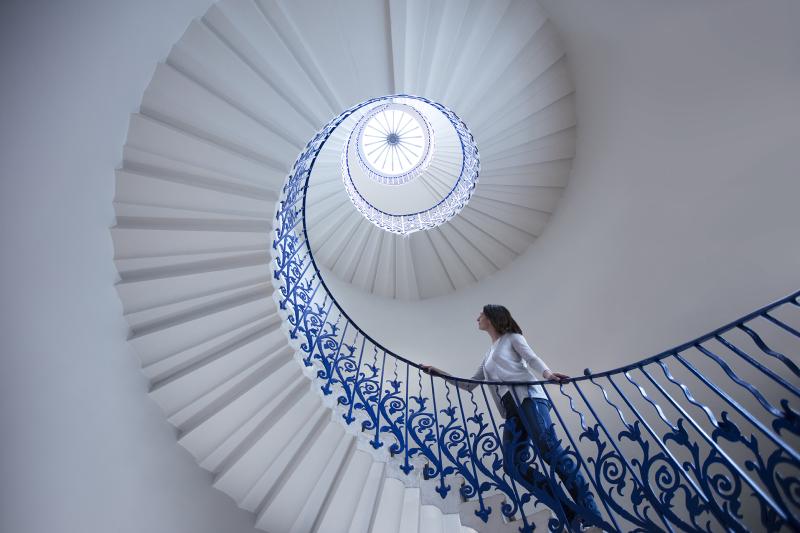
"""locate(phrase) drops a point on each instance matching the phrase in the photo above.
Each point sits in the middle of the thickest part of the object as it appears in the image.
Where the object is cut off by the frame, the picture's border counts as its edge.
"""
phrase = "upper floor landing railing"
(702, 437)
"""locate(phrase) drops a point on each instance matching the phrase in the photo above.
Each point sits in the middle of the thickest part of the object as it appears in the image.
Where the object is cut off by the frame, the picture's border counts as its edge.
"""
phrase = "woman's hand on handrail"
(432, 370)
(558, 377)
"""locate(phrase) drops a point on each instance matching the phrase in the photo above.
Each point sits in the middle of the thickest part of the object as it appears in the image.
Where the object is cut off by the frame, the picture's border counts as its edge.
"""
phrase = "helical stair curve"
(732, 465)
(204, 171)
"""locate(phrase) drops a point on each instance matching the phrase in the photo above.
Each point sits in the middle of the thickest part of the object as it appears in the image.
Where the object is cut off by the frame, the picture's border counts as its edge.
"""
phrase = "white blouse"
(510, 358)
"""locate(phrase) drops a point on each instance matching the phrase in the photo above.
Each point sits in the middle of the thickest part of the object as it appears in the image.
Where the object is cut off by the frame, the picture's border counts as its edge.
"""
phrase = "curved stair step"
(390, 507)
(309, 465)
(204, 56)
(355, 483)
(254, 411)
(410, 514)
(149, 139)
(247, 31)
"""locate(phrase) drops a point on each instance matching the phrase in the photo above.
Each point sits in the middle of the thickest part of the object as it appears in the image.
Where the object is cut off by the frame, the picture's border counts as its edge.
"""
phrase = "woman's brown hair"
(501, 319)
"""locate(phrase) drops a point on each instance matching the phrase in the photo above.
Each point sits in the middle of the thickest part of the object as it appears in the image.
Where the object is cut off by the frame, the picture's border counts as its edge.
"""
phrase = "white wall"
(681, 213)
(82, 448)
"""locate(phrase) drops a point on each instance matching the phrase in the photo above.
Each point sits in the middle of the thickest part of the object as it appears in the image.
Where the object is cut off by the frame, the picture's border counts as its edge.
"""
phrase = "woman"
(526, 409)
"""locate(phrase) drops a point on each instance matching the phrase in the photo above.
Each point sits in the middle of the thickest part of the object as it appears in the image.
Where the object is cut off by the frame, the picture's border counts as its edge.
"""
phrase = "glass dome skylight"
(386, 157)
(395, 143)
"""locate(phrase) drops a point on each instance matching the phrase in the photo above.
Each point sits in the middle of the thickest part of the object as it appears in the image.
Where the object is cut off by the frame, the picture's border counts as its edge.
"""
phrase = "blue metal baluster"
(483, 511)
(349, 418)
(686, 392)
(285, 214)
(367, 388)
(300, 319)
(326, 388)
(421, 429)
(555, 490)
(486, 447)
(758, 491)
(288, 260)
(298, 197)
(323, 341)
(443, 488)
(406, 467)
(454, 445)
(311, 338)
(741, 410)
(290, 285)
(577, 452)
(287, 251)
(328, 341)
(781, 324)
(672, 459)
(767, 350)
(747, 357)
(644, 488)
(345, 367)
(293, 289)
(514, 492)
(288, 231)
(305, 309)
(604, 465)
(376, 442)
(787, 418)
(739, 381)
(390, 405)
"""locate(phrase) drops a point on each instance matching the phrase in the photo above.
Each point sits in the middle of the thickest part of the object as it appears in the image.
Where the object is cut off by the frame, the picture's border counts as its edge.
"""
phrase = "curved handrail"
(633, 432)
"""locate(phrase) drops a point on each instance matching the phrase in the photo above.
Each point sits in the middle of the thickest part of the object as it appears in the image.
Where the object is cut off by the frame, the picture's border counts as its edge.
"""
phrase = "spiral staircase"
(222, 261)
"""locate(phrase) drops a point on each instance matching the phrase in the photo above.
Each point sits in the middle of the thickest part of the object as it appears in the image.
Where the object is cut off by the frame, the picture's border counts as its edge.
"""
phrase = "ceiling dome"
(385, 160)
(520, 111)
(394, 142)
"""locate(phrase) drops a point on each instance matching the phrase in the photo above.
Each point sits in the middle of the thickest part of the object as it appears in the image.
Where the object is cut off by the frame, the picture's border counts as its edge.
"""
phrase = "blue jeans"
(528, 423)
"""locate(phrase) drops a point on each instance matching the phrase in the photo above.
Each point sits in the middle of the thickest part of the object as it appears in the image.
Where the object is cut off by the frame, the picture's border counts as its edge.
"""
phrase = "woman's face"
(483, 322)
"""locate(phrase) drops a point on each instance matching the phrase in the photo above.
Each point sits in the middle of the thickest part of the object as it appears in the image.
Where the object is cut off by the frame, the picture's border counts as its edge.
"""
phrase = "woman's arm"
(479, 375)
(534, 361)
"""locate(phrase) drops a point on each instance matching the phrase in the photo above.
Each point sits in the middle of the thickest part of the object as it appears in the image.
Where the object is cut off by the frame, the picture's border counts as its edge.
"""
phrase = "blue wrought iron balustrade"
(702, 437)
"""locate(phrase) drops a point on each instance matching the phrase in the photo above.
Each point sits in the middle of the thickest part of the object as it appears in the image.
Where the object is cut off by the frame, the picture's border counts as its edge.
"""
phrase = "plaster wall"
(82, 447)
